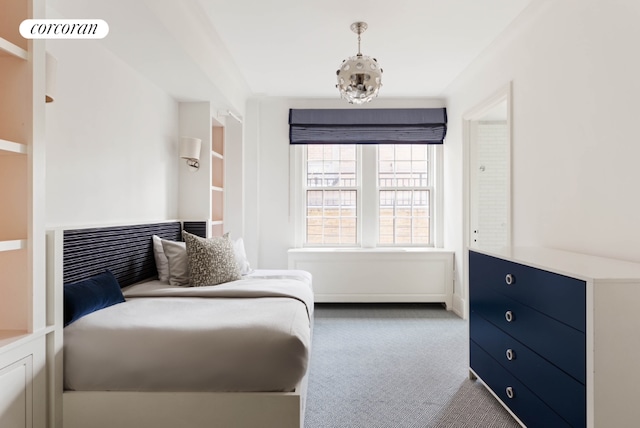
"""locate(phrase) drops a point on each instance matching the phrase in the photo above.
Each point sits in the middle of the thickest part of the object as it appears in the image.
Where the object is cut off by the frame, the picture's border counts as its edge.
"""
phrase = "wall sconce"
(190, 150)
(51, 65)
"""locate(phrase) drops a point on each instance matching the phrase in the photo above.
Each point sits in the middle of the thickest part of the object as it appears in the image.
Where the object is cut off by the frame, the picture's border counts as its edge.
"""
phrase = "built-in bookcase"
(23, 308)
(16, 132)
(202, 191)
(217, 181)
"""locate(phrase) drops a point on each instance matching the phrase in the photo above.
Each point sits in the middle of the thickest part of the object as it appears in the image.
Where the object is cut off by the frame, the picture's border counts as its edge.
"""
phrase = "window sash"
(343, 177)
(404, 221)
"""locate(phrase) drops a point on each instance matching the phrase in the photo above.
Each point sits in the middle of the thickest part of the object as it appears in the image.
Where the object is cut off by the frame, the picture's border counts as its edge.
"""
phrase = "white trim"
(183, 409)
(369, 196)
(296, 207)
(378, 274)
(437, 223)
(505, 93)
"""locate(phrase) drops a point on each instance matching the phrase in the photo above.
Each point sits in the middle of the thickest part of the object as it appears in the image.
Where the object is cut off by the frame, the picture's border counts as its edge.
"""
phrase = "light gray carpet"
(394, 365)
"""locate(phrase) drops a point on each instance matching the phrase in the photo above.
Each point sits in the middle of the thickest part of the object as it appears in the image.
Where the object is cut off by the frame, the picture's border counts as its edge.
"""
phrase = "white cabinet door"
(15, 394)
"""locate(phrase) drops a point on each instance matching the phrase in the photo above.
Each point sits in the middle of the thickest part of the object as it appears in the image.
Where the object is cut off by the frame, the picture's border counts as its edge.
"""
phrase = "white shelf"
(7, 337)
(214, 222)
(217, 189)
(217, 155)
(11, 147)
(6, 47)
(18, 244)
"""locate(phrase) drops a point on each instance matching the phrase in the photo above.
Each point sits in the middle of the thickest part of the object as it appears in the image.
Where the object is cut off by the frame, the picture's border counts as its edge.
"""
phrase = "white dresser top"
(576, 265)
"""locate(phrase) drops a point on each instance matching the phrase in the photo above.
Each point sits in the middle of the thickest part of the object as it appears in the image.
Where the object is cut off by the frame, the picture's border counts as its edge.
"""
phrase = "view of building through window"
(332, 194)
(334, 189)
(404, 194)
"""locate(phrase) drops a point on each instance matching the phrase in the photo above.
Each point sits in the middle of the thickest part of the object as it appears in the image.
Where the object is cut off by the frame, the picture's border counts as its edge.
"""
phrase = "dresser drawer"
(565, 395)
(558, 296)
(523, 403)
(563, 346)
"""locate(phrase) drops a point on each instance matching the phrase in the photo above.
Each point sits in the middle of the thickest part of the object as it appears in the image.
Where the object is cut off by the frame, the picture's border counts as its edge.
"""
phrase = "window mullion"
(369, 187)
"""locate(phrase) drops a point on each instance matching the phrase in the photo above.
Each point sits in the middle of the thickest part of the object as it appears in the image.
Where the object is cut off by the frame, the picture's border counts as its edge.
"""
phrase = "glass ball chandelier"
(360, 76)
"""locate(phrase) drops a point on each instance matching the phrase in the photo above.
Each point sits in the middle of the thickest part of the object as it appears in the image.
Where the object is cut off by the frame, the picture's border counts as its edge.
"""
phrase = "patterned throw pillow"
(211, 261)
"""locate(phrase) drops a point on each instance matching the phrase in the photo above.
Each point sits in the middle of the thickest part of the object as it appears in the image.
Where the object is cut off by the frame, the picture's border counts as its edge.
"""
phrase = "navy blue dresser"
(531, 331)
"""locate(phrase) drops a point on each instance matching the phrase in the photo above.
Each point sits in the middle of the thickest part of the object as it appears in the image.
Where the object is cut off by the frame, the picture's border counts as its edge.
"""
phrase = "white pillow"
(162, 264)
(176, 253)
(241, 256)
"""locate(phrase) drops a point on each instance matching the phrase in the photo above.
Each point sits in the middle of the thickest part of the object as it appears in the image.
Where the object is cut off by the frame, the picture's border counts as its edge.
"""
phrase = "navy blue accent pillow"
(90, 295)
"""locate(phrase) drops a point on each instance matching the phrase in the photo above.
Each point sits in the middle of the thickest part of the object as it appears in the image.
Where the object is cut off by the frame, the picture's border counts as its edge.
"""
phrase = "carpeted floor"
(394, 365)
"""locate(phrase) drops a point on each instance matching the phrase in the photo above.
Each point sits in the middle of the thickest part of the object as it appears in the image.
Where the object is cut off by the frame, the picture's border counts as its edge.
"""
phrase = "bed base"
(108, 409)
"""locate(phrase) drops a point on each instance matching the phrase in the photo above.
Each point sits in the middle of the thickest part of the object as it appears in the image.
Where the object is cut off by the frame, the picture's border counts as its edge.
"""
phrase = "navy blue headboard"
(196, 228)
(127, 251)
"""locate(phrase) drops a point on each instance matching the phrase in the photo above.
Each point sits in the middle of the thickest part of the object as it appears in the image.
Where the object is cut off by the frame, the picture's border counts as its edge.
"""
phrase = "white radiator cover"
(378, 275)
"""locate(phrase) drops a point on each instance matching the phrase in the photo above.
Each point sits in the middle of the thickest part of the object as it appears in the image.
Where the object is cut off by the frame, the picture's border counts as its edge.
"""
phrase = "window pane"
(403, 217)
(331, 217)
(386, 229)
(348, 152)
(403, 165)
(331, 166)
(314, 152)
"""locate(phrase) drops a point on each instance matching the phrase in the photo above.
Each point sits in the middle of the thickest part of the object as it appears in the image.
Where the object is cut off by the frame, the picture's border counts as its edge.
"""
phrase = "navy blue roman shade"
(368, 126)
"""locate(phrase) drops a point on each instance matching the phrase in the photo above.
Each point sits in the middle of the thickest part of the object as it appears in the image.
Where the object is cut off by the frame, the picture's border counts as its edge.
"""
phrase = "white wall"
(194, 190)
(112, 153)
(574, 69)
(269, 229)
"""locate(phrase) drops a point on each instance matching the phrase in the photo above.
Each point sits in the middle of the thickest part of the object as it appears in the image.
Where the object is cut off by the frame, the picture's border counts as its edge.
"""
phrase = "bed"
(231, 355)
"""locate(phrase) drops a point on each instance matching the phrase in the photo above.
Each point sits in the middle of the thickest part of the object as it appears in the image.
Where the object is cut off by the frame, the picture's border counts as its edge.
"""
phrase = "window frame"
(367, 199)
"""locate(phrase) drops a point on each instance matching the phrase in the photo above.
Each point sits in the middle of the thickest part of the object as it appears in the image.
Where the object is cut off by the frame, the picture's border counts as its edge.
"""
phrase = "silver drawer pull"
(510, 392)
(511, 355)
(508, 316)
(509, 279)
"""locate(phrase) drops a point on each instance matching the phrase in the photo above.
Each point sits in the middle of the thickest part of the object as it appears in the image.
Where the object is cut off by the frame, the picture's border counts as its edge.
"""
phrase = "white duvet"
(253, 334)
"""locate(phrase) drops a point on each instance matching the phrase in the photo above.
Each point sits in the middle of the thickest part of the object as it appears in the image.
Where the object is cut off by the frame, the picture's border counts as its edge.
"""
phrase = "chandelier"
(360, 76)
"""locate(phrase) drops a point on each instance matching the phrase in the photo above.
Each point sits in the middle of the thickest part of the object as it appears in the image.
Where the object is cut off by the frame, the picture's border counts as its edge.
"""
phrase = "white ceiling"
(293, 47)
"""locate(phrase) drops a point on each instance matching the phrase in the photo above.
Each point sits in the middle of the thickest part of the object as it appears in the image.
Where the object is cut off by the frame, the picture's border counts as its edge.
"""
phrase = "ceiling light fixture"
(360, 76)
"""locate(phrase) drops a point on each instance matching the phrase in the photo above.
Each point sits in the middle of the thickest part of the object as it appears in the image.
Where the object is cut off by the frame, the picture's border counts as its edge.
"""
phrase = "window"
(331, 194)
(404, 204)
(370, 195)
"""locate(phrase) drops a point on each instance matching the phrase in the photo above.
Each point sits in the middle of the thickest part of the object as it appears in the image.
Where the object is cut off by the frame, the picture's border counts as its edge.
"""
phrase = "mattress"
(253, 334)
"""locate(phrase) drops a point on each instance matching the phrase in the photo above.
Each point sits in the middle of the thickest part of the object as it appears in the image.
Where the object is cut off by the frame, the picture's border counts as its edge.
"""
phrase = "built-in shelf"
(17, 244)
(217, 189)
(8, 48)
(24, 383)
(7, 337)
(12, 148)
(217, 155)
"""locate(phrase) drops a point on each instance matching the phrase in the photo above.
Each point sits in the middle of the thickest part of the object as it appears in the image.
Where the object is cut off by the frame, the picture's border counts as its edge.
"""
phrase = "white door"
(489, 175)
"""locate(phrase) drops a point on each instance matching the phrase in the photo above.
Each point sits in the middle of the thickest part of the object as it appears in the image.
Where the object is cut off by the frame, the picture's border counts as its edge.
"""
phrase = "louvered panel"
(127, 251)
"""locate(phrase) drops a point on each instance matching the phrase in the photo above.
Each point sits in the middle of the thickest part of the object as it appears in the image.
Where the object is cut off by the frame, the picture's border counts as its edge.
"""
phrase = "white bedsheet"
(253, 334)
